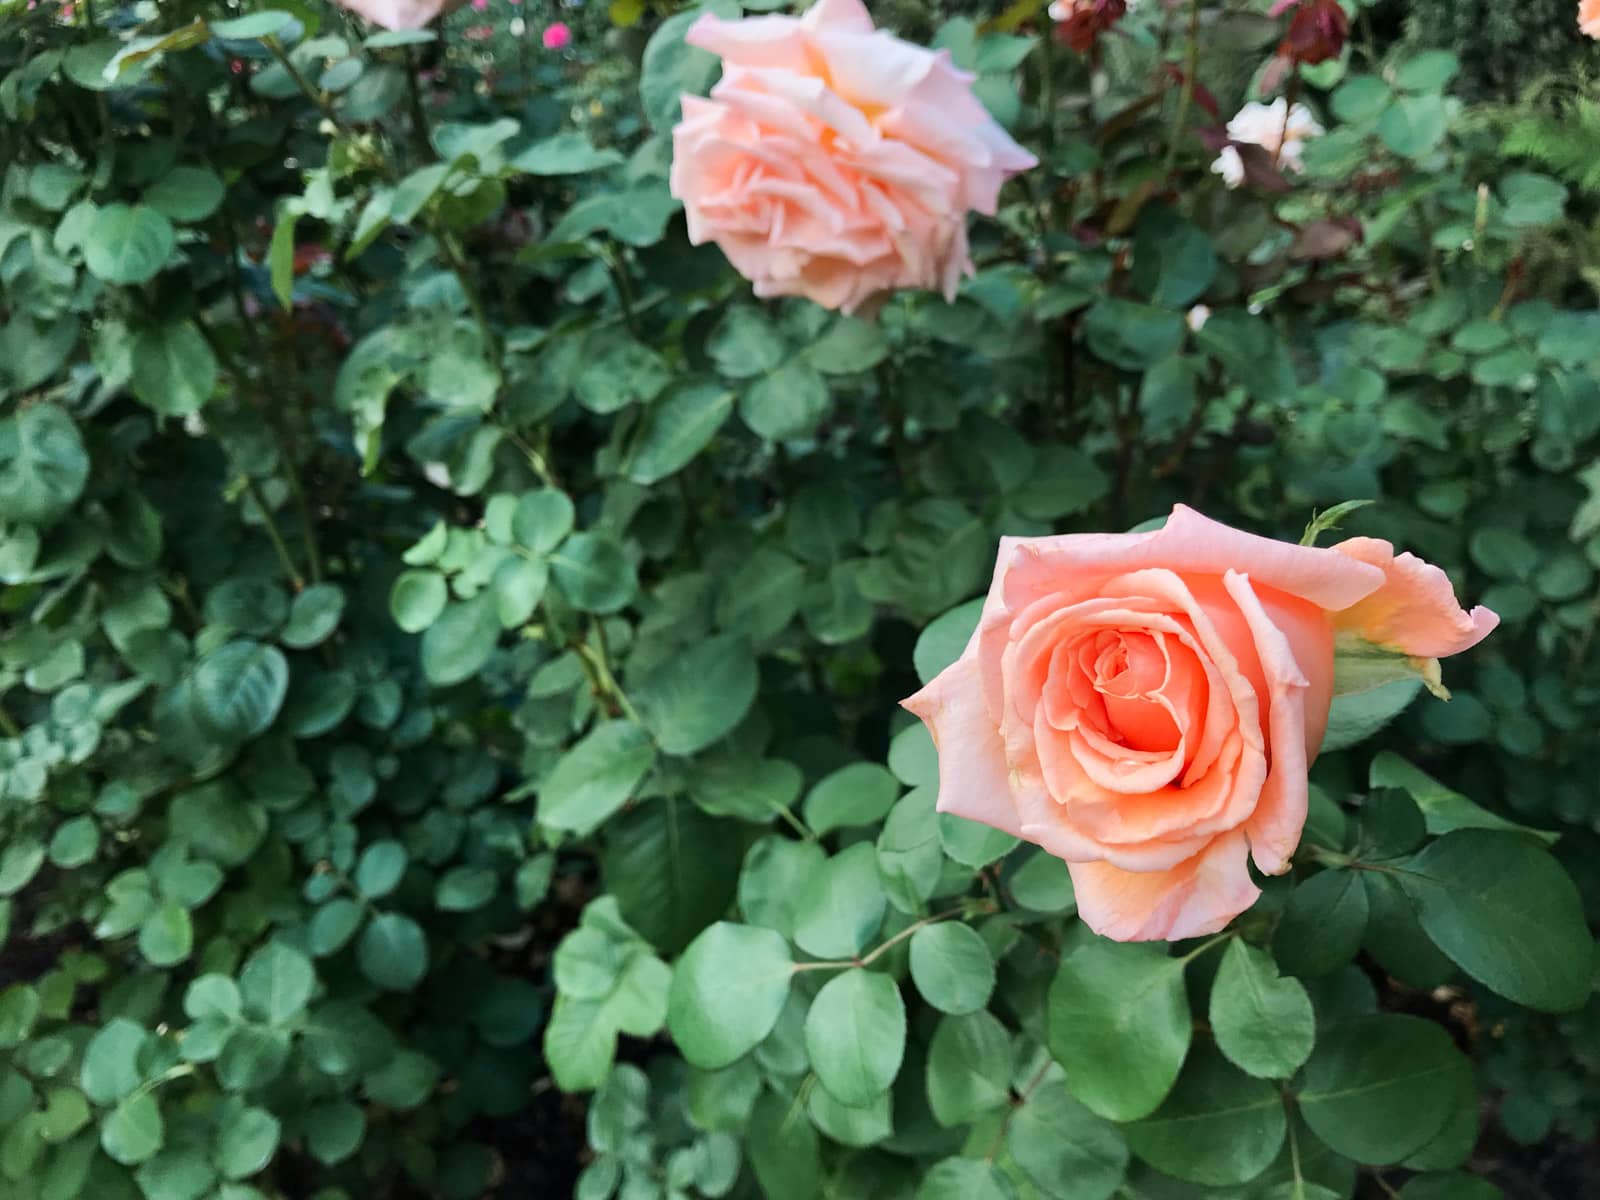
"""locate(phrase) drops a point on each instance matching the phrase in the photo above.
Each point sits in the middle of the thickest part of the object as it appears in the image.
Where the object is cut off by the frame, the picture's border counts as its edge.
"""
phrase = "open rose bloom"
(1145, 706)
(1277, 128)
(835, 161)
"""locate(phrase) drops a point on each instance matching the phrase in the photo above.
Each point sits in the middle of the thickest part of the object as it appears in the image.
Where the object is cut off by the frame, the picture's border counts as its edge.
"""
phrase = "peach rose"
(1145, 705)
(835, 161)
(400, 14)
(1589, 18)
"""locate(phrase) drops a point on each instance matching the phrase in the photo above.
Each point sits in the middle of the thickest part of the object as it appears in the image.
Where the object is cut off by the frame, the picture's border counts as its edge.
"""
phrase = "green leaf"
(1132, 336)
(1356, 716)
(672, 869)
(166, 937)
(252, 26)
(671, 67)
(693, 699)
(745, 344)
(595, 573)
(676, 427)
(417, 599)
(380, 868)
(19, 1009)
(246, 1141)
(186, 194)
(944, 638)
(110, 1068)
(788, 402)
(775, 871)
(1444, 810)
(972, 843)
(1262, 1021)
(314, 616)
(43, 466)
(1043, 884)
(1414, 125)
(459, 643)
(239, 689)
(965, 1179)
(174, 370)
(465, 889)
(276, 983)
(1323, 924)
(969, 1068)
(727, 991)
(1218, 1127)
(751, 789)
(856, 1035)
(1371, 1089)
(842, 905)
(854, 795)
(567, 153)
(783, 1150)
(595, 778)
(542, 520)
(1506, 913)
(1173, 262)
(1066, 1151)
(333, 925)
(1119, 1023)
(127, 245)
(952, 967)
(1252, 352)
(133, 1131)
(393, 952)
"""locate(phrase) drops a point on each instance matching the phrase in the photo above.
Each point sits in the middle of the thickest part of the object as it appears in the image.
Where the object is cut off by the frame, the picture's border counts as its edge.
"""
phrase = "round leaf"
(595, 778)
(965, 1179)
(952, 967)
(246, 1142)
(1066, 1151)
(456, 646)
(127, 245)
(43, 466)
(693, 699)
(239, 689)
(133, 1132)
(842, 905)
(969, 1068)
(1218, 1127)
(727, 991)
(417, 599)
(856, 1035)
(594, 572)
(1118, 1022)
(1262, 1021)
(393, 952)
(1505, 912)
(1371, 1090)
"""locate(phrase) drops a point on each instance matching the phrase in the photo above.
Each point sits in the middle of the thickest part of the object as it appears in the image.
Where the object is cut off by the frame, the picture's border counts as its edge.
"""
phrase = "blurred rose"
(400, 14)
(835, 161)
(1276, 128)
(1589, 18)
(557, 36)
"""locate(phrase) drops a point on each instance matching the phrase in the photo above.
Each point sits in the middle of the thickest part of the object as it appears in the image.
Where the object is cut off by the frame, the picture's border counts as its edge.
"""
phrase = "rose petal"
(1280, 815)
(973, 777)
(1415, 611)
(1198, 896)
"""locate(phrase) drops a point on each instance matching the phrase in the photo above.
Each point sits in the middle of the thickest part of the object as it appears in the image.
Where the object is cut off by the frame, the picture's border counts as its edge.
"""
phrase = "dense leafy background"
(452, 632)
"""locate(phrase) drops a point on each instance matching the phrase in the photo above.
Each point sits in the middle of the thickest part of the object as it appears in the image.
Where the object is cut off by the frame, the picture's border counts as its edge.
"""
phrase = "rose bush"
(1145, 706)
(451, 628)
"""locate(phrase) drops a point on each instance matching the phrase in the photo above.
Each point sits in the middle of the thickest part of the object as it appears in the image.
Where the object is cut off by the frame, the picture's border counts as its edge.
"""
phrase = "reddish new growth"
(1079, 23)
(1317, 32)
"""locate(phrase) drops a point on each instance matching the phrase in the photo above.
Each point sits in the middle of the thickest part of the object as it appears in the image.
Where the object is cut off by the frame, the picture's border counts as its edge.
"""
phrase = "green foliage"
(450, 630)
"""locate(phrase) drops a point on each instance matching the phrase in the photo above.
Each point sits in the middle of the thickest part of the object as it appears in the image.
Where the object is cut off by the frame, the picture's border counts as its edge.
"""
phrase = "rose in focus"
(835, 161)
(1145, 706)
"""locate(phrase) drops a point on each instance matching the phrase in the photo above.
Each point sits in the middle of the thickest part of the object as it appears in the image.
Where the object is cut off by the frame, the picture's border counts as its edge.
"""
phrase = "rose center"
(1130, 671)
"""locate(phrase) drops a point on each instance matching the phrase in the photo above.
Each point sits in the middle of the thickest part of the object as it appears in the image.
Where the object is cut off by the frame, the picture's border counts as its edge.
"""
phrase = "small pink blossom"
(480, 5)
(480, 33)
(557, 36)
